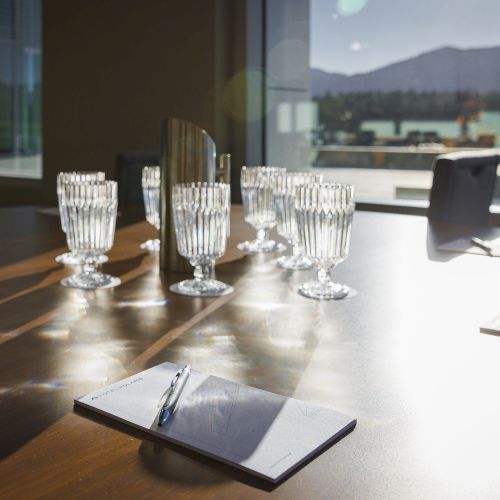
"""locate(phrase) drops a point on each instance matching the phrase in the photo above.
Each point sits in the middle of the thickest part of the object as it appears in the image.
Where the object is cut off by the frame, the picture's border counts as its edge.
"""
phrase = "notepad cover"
(263, 433)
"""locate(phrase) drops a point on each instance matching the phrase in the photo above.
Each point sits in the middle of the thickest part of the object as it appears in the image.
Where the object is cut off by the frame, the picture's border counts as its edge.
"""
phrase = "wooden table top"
(404, 356)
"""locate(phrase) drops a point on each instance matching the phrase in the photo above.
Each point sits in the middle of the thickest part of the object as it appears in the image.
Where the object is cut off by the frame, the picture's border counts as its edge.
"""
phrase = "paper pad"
(263, 433)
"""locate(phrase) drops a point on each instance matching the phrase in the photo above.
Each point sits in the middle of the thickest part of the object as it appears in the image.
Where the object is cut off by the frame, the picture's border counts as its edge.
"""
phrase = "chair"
(463, 187)
(414, 137)
(365, 138)
(431, 137)
(128, 173)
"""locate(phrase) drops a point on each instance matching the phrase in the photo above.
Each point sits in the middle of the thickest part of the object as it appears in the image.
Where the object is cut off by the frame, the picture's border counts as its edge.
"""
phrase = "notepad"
(260, 432)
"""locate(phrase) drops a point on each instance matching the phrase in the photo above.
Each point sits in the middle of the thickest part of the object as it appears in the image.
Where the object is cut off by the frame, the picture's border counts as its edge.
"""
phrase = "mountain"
(441, 70)
(322, 81)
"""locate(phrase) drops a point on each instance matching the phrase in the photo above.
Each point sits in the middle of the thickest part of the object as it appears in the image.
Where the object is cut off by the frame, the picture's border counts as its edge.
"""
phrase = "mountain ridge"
(439, 70)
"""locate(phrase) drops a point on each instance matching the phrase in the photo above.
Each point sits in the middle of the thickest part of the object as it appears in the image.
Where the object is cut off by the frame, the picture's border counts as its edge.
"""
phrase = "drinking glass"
(284, 186)
(257, 194)
(324, 216)
(74, 258)
(151, 192)
(90, 216)
(201, 213)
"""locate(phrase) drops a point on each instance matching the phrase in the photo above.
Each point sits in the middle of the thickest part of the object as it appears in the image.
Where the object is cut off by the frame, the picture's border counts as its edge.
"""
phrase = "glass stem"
(211, 269)
(323, 275)
(203, 271)
(262, 235)
(90, 266)
(296, 250)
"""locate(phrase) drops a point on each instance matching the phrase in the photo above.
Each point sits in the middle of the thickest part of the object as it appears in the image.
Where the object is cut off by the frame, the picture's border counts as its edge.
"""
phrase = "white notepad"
(260, 432)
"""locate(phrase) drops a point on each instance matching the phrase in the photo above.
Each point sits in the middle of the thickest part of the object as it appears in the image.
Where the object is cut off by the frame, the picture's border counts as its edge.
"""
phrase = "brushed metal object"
(223, 173)
(187, 155)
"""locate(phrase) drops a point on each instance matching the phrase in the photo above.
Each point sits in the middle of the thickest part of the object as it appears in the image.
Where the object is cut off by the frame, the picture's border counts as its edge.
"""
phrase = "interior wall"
(19, 191)
(113, 69)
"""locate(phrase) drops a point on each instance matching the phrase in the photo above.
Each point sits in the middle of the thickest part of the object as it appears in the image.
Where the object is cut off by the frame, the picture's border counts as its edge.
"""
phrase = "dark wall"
(112, 69)
(19, 191)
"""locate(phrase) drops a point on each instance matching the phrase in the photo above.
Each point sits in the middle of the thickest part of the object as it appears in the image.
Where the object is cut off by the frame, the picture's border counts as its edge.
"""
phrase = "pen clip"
(171, 387)
(176, 377)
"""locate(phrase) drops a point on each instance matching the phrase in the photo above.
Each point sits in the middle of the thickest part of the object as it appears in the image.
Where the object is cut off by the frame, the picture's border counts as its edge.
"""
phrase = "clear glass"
(90, 210)
(324, 216)
(74, 258)
(257, 195)
(151, 192)
(201, 213)
(284, 186)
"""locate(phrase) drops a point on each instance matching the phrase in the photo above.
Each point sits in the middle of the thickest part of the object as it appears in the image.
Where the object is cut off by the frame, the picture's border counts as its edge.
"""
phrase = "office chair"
(463, 187)
(128, 173)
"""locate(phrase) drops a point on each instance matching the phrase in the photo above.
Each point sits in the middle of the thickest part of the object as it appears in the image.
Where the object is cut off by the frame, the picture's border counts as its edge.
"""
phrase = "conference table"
(403, 355)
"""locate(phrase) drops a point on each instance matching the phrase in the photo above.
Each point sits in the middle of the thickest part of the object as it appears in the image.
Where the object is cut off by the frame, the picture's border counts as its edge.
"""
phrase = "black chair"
(414, 137)
(431, 137)
(128, 173)
(463, 187)
(364, 138)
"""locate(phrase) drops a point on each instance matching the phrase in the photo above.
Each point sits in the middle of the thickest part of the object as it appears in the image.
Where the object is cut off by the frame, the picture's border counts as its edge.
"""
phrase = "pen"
(173, 394)
(482, 245)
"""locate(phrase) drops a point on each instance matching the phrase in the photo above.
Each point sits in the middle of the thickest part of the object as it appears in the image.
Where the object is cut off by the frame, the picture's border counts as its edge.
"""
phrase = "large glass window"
(394, 83)
(20, 88)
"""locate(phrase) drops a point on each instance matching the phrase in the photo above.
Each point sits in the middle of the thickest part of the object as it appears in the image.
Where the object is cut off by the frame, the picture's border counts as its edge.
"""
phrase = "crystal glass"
(74, 258)
(151, 192)
(284, 186)
(257, 194)
(324, 216)
(90, 210)
(201, 213)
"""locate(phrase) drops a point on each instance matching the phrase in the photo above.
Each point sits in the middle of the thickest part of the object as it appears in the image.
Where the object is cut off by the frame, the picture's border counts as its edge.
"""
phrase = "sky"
(356, 36)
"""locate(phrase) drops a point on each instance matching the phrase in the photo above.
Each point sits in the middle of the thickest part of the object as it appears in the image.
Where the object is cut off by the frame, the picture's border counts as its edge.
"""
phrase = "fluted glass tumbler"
(90, 216)
(201, 213)
(74, 258)
(151, 192)
(284, 186)
(257, 195)
(324, 215)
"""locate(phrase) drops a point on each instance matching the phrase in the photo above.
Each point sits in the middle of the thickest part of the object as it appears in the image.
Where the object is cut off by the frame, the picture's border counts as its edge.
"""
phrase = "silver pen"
(173, 394)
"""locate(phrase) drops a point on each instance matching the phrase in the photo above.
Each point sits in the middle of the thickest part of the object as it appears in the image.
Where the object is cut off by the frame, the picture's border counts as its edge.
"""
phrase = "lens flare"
(350, 7)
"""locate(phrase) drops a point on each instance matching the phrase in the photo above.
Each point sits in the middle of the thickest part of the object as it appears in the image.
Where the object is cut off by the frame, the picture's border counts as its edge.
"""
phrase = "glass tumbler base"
(261, 246)
(75, 259)
(201, 288)
(295, 262)
(91, 281)
(324, 290)
(151, 245)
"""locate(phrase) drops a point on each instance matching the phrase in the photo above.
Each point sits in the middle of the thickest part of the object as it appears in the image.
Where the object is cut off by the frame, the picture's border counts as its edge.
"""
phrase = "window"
(20, 88)
(396, 83)
(390, 85)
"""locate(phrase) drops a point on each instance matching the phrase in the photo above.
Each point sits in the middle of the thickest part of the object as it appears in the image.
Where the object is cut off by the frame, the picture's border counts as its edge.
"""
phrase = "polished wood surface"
(404, 356)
